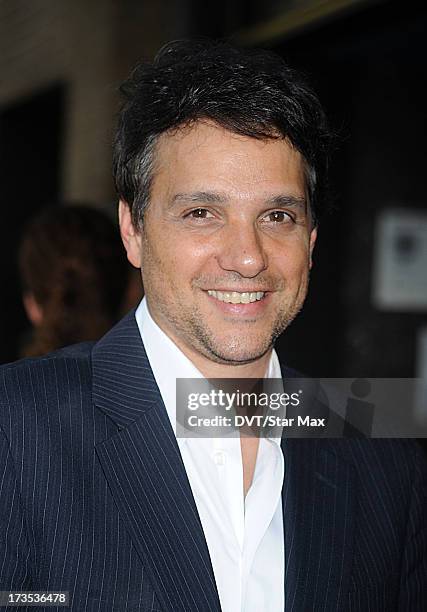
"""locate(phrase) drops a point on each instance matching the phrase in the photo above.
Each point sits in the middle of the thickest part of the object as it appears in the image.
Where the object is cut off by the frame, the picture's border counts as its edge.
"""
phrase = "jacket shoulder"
(81, 351)
(40, 384)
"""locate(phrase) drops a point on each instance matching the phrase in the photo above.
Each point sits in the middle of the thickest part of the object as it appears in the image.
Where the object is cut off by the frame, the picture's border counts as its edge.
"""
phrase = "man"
(220, 161)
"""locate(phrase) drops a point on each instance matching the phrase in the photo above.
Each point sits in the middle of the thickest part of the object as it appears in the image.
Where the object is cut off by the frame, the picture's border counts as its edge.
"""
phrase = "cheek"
(185, 260)
(292, 263)
(166, 267)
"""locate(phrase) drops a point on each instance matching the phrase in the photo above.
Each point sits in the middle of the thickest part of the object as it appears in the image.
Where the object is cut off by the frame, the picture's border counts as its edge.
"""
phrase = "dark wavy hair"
(72, 262)
(250, 92)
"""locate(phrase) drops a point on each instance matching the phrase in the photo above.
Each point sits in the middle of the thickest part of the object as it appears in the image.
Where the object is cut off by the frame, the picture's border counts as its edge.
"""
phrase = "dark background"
(31, 134)
(370, 72)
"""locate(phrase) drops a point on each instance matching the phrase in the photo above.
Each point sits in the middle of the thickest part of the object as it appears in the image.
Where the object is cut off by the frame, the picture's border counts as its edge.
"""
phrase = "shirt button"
(220, 457)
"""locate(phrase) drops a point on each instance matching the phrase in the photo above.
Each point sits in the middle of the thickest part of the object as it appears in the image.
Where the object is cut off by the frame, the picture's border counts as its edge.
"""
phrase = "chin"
(236, 355)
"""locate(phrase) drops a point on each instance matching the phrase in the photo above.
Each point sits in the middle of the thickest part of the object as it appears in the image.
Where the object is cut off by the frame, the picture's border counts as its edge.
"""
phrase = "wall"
(89, 46)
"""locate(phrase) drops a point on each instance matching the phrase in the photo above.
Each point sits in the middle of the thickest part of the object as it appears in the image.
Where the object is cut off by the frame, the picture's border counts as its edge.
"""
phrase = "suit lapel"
(146, 475)
(318, 523)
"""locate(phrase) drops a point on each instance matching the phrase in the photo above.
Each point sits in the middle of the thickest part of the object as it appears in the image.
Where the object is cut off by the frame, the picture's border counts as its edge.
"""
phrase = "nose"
(241, 250)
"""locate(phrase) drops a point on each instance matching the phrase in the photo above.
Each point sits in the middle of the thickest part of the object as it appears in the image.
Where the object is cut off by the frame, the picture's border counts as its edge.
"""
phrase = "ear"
(33, 310)
(313, 237)
(131, 237)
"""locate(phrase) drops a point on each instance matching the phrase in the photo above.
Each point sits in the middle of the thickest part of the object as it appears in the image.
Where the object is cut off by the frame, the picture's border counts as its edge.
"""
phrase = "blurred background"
(61, 62)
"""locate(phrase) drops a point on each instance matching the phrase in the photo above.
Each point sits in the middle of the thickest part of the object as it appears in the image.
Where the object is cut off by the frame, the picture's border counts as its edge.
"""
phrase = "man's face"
(226, 245)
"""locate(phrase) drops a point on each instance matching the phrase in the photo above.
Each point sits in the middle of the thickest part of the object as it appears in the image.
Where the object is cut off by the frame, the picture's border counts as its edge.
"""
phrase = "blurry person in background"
(74, 276)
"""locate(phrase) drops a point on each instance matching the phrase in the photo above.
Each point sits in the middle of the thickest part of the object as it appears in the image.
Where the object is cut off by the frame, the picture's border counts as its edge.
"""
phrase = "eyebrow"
(286, 201)
(208, 197)
(212, 197)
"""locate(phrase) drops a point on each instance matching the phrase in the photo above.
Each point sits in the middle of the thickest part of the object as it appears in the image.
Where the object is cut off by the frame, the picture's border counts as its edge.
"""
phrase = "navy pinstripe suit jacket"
(94, 498)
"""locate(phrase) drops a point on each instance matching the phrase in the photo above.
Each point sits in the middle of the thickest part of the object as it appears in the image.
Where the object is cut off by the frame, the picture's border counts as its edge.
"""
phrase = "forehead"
(205, 155)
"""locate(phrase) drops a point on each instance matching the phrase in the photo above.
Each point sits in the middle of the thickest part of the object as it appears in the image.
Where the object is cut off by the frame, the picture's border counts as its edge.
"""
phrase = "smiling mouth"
(235, 297)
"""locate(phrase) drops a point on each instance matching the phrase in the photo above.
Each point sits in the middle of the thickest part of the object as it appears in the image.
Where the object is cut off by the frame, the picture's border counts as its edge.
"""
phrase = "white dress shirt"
(244, 536)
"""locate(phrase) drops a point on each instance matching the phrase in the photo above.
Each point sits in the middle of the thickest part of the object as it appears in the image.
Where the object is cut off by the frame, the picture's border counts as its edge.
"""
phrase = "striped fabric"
(94, 498)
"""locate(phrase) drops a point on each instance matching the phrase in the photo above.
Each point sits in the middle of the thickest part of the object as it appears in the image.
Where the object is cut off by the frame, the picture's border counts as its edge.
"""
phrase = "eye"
(278, 216)
(199, 213)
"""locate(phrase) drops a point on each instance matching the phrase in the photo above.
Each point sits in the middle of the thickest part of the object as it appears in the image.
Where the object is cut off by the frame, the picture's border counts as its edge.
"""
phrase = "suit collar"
(318, 509)
(146, 475)
(123, 383)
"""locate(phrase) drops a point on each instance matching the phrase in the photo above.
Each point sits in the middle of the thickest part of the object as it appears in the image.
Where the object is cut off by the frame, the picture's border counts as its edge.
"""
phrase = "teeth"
(234, 297)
